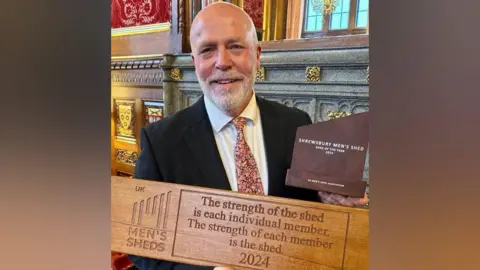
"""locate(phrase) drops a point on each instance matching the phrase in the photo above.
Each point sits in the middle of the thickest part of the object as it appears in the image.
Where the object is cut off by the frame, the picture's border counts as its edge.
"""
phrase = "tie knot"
(239, 122)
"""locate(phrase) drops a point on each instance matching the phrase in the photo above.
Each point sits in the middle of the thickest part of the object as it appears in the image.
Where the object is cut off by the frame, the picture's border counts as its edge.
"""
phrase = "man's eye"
(205, 50)
(236, 46)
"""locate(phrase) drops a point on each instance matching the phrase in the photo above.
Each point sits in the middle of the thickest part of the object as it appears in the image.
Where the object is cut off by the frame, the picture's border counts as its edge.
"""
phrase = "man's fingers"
(327, 198)
(348, 201)
(342, 200)
(337, 199)
(356, 201)
(360, 201)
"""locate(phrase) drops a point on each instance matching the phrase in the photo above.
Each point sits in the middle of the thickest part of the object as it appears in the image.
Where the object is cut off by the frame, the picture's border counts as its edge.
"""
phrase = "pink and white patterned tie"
(248, 176)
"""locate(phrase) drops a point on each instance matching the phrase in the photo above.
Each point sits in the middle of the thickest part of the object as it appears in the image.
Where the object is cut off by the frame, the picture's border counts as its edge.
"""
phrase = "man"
(230, 139)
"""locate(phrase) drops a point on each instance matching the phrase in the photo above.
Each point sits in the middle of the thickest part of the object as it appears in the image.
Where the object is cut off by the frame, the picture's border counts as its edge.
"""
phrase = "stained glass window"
(347, 17)
(314, 15)
(362, 13)
(340, 15)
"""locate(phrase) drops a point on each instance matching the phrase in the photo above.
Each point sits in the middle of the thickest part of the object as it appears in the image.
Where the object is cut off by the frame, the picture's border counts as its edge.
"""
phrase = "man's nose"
(224, 61)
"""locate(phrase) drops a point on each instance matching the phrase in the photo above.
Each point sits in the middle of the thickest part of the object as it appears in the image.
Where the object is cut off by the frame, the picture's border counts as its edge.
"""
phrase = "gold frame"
(273, 21)
(266, 20)
(280, 8)
(137, 57)
(142, 29)
(238, 3)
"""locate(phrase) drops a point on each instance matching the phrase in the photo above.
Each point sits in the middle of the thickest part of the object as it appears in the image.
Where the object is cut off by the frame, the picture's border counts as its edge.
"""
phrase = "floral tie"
(248, 176)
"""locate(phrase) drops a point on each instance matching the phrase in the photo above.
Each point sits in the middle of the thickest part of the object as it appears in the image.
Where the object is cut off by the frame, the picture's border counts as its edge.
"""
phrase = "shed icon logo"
(146, 213)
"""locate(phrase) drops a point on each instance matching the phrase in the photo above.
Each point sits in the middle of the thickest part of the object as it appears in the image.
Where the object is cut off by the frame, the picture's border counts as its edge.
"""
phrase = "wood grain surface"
(214, 227)
(141, 44)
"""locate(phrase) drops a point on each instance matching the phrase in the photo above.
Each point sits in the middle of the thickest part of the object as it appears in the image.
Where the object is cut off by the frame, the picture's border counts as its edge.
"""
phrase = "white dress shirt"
(226, 136)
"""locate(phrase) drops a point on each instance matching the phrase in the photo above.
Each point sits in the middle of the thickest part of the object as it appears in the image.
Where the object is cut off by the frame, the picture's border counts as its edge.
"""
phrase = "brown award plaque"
(330, 156)
(212, 227)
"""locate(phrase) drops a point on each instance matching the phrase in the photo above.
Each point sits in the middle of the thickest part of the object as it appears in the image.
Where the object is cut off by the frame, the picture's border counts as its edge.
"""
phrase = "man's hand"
(336, 199)
(222, 268)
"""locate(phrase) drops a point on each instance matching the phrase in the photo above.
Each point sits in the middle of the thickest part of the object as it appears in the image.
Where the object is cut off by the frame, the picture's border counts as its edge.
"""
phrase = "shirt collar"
(219, 119)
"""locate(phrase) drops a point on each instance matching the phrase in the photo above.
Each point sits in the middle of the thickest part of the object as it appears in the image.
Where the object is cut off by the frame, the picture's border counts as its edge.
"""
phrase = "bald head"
(226, 54)
(222, 14)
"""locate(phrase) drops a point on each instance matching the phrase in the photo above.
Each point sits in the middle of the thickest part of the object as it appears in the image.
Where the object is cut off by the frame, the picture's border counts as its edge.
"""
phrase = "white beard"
(230, 100)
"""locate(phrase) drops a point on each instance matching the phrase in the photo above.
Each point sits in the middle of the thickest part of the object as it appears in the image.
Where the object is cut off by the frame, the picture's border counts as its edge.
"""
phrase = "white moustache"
(225, 77)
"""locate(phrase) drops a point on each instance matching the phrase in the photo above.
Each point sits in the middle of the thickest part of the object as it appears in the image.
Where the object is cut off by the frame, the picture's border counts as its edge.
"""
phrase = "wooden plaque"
(214, 227)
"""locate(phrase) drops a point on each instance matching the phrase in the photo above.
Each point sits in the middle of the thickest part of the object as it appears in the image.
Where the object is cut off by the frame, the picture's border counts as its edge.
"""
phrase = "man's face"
(225, 59)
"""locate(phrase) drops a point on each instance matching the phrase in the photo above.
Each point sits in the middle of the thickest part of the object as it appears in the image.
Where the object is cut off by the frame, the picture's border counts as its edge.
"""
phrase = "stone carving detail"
(125, 118)
(312, 74)
(324, 107)
(299, 103)
(358, 107)
(190, 99)
(366, 171)
(137, 77)
(333, 108)
(336, 115)
(126, 156)
(303, 104)
(260, 75)
(368, 75)
(176, 74)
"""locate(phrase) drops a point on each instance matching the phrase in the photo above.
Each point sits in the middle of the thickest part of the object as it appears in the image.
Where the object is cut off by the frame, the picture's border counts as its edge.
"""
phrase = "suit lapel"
(201, 141)
(274, 146)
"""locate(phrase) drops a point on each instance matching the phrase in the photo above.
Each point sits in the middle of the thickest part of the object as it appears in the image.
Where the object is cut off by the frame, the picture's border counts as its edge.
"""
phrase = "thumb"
(360, 201)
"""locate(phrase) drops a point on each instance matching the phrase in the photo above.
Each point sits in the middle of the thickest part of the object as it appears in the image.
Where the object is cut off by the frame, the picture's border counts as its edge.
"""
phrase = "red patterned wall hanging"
(254, 8)
(127, 13)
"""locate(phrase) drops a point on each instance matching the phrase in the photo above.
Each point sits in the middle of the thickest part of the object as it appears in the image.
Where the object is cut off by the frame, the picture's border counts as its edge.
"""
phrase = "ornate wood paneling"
(137, 100)
(153, 111)
(136, 77)
(141, 44)
(126, 156)
(125, 119)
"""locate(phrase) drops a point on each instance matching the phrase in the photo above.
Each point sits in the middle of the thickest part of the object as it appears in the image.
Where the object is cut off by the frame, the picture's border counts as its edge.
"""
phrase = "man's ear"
(259, 53)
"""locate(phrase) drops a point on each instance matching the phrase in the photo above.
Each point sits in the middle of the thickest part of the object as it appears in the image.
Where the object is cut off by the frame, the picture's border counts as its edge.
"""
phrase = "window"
(348, 17)
(362, 14)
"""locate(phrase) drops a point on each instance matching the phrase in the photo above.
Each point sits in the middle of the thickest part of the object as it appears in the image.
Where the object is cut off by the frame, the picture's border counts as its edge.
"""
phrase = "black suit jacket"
(182, 149)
